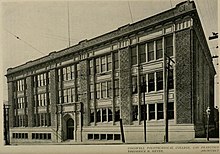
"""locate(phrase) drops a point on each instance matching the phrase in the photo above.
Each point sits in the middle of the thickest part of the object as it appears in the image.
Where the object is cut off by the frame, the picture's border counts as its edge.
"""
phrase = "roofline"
(120, 32)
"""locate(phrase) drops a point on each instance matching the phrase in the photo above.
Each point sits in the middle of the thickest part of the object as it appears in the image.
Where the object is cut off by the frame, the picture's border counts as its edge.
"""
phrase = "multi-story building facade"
(80, 93)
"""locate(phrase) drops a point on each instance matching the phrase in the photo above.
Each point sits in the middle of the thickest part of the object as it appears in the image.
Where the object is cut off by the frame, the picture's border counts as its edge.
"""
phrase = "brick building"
(79, 94)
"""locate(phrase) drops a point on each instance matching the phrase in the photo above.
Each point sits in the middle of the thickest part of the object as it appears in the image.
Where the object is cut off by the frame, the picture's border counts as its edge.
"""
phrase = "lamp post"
(208, 110)
(6, 124)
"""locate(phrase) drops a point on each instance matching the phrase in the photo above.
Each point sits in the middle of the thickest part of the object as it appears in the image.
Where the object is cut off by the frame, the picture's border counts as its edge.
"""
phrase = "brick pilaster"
(183, 77)
(54, 98)
(30, 100)
(83, 81)
(124, 85)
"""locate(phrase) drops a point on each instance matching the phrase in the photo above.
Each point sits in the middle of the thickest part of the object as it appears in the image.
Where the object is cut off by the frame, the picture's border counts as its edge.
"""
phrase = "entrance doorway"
(70, 128)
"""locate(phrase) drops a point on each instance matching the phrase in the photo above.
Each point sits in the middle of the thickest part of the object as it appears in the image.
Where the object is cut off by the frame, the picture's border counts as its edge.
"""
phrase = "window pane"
(170, 110)
(159, 53)
(109, 136)
(103, 89)
(103, 136)
(151, 82)
(135, 112)
(150, 51)
(159, 80)
(159, 111)
(97, 90)
(133, 55)
(97, 65)
(98, 115)
(109, 114)
(104, 115)
(142, 52)
(116, 136)
(151, 111)
(91, 115)
(117, 114)
(103, 64)
(109, 66)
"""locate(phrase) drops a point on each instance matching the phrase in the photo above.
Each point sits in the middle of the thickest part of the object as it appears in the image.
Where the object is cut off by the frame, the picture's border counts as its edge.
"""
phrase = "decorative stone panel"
(183, 77)
(125, 86)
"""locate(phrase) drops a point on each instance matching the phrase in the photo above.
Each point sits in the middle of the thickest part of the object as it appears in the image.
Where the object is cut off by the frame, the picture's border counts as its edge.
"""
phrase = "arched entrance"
(70, 128)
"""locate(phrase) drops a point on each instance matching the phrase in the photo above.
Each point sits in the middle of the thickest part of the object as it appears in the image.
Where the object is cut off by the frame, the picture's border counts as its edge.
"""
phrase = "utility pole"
(208, 110)
(143, 89)
(167, 66)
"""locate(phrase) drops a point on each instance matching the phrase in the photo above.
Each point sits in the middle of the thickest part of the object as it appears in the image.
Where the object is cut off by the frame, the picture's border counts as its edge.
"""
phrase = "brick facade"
(183, 80)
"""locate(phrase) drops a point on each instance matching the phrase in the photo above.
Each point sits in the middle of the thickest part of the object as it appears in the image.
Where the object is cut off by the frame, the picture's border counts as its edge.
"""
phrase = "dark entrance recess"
(70, 128)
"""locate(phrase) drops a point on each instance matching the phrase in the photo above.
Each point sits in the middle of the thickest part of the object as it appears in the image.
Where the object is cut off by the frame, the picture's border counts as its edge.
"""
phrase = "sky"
(42, 26)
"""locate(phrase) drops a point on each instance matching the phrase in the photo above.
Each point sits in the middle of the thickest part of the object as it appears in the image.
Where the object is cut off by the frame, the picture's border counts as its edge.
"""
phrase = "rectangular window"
(159, 80)
(116, 60)
(98, 91)
(159, 51)
(135, 112)
(109, 114)
(49, 136)
(98, 115)
(142, 52)
(103, 64)
(109, 63)
(103, 136)
(151, 111)
(151, 84)
(117, 114)
(72, 95)
(133, 55)
(116, 136)
(104, 115)
(134, 85)
(92, 115)
(171, 85)
(170, 110)
(159, 111)
(150, 51)
(103, 93)
(143, 112)
(169, 45)
(90, 136)
(96, 136)
(77, 70)
(116, 88)
(143, 83)
(109, 89)
(97, 66)
(109, 136)
(49, 119)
